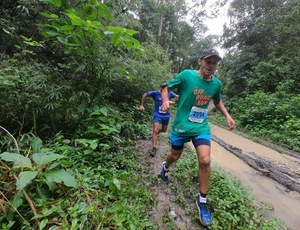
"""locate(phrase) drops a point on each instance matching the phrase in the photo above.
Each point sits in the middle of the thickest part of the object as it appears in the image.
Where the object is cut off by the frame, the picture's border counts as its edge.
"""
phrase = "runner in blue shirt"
(160, 117)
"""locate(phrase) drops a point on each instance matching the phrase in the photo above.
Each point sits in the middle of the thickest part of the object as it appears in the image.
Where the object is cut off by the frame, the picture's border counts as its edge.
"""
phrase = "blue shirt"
(156, 95)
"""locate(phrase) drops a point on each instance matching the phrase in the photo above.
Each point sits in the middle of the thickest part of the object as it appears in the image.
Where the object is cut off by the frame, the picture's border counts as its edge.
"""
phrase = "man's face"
(208, 65)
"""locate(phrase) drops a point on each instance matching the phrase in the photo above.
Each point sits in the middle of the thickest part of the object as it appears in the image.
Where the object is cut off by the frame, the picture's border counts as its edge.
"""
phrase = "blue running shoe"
(204, 213)
(164, 173)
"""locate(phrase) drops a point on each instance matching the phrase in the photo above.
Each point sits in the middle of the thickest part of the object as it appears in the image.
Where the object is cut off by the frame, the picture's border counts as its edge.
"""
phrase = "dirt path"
(166, 208)
(255, 165)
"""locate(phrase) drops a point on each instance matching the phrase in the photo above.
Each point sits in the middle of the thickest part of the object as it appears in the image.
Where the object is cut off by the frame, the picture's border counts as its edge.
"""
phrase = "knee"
(156, 131)
(175, 156)
(204, 162)
(164, 129)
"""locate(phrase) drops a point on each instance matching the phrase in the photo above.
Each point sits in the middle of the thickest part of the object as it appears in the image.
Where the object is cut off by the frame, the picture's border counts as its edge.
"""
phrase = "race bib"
(197, 115)
(160, 110)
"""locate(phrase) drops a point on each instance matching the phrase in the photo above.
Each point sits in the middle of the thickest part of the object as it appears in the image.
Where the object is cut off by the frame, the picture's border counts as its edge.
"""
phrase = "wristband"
(163, 85)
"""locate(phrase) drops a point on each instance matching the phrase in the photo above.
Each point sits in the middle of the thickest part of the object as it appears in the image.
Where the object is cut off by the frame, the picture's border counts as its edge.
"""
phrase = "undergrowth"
(92, 181)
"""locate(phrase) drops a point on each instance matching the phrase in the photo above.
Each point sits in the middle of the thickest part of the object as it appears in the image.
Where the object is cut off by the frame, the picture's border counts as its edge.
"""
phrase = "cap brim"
(213, 55)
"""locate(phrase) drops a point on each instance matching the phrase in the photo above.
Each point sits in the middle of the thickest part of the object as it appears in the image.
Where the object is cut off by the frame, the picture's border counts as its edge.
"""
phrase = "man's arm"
(165, 98)
(143, 101)
(221, 107)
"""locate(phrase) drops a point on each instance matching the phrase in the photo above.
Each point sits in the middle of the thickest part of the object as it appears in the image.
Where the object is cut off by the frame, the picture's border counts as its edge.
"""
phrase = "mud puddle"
(283, 202)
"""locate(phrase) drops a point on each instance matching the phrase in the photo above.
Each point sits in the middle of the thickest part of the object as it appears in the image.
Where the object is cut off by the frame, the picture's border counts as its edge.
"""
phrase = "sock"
(166, 167)
(202, 198)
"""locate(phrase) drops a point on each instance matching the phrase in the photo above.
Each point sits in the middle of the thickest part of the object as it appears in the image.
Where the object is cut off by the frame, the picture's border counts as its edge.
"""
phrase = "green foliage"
(163, 22)
(262, 82)
(38, 94)
(263, 38)
(269, 116)
(101, 158)
(18, 160)
(106, 125)
(105, 162)
(30, 177)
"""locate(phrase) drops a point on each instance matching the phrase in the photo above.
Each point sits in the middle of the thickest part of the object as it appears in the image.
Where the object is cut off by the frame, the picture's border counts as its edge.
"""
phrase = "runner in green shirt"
(196, 89)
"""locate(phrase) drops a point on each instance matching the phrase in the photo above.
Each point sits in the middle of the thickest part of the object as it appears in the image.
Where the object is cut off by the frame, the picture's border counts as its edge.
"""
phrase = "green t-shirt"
(194, 97)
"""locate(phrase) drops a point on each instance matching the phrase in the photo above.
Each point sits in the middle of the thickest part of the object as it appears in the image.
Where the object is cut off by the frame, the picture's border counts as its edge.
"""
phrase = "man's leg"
(163, 129)
(164, 126)
(173, 156)
(155, 132)
(203, 153)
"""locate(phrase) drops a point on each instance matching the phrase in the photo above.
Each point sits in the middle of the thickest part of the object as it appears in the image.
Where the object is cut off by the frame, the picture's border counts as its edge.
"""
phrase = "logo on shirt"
(201, 97)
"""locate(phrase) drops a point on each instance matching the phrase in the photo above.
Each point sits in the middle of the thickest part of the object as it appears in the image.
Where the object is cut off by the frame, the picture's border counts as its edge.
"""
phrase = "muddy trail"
(166, 200)
(273, 176)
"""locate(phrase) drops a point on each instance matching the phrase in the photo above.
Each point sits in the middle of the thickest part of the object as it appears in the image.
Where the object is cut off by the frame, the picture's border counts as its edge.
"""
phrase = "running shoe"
(204, 213)
(153, 152)
(164, 173)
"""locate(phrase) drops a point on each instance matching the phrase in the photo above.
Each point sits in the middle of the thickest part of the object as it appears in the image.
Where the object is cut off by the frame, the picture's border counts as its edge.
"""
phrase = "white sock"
(165, 168)
(202, 199)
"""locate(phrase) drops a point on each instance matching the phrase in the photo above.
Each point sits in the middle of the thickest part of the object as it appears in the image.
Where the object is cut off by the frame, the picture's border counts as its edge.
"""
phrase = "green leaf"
(103, 110)
(67, 28)
(53, 16)
(25, 178)
(17, 201)
(117, 183)
(48, 34)
(55, 2)
(43, 223)
(52, 185)
(61, 176)
(75, 20)
(37, 144)
(18, 160)
(42, 158)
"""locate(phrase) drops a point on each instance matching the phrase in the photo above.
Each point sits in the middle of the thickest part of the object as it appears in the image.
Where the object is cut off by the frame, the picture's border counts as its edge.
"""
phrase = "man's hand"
(230, 122)
(142, 108)
(166, 105)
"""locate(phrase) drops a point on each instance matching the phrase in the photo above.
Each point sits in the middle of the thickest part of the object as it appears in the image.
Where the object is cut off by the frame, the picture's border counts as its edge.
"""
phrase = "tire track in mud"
(256, 165)
(284, 175)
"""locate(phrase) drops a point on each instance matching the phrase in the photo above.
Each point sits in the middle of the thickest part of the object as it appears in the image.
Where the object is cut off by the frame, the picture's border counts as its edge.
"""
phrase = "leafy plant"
(24, 173)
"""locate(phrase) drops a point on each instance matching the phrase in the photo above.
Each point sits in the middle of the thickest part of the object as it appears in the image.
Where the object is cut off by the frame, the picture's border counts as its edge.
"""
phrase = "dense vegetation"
(262, 68)
(71, 76)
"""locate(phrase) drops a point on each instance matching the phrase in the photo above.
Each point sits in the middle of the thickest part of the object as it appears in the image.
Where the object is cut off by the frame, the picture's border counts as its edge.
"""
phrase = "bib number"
(197, 115)
(160, 110)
